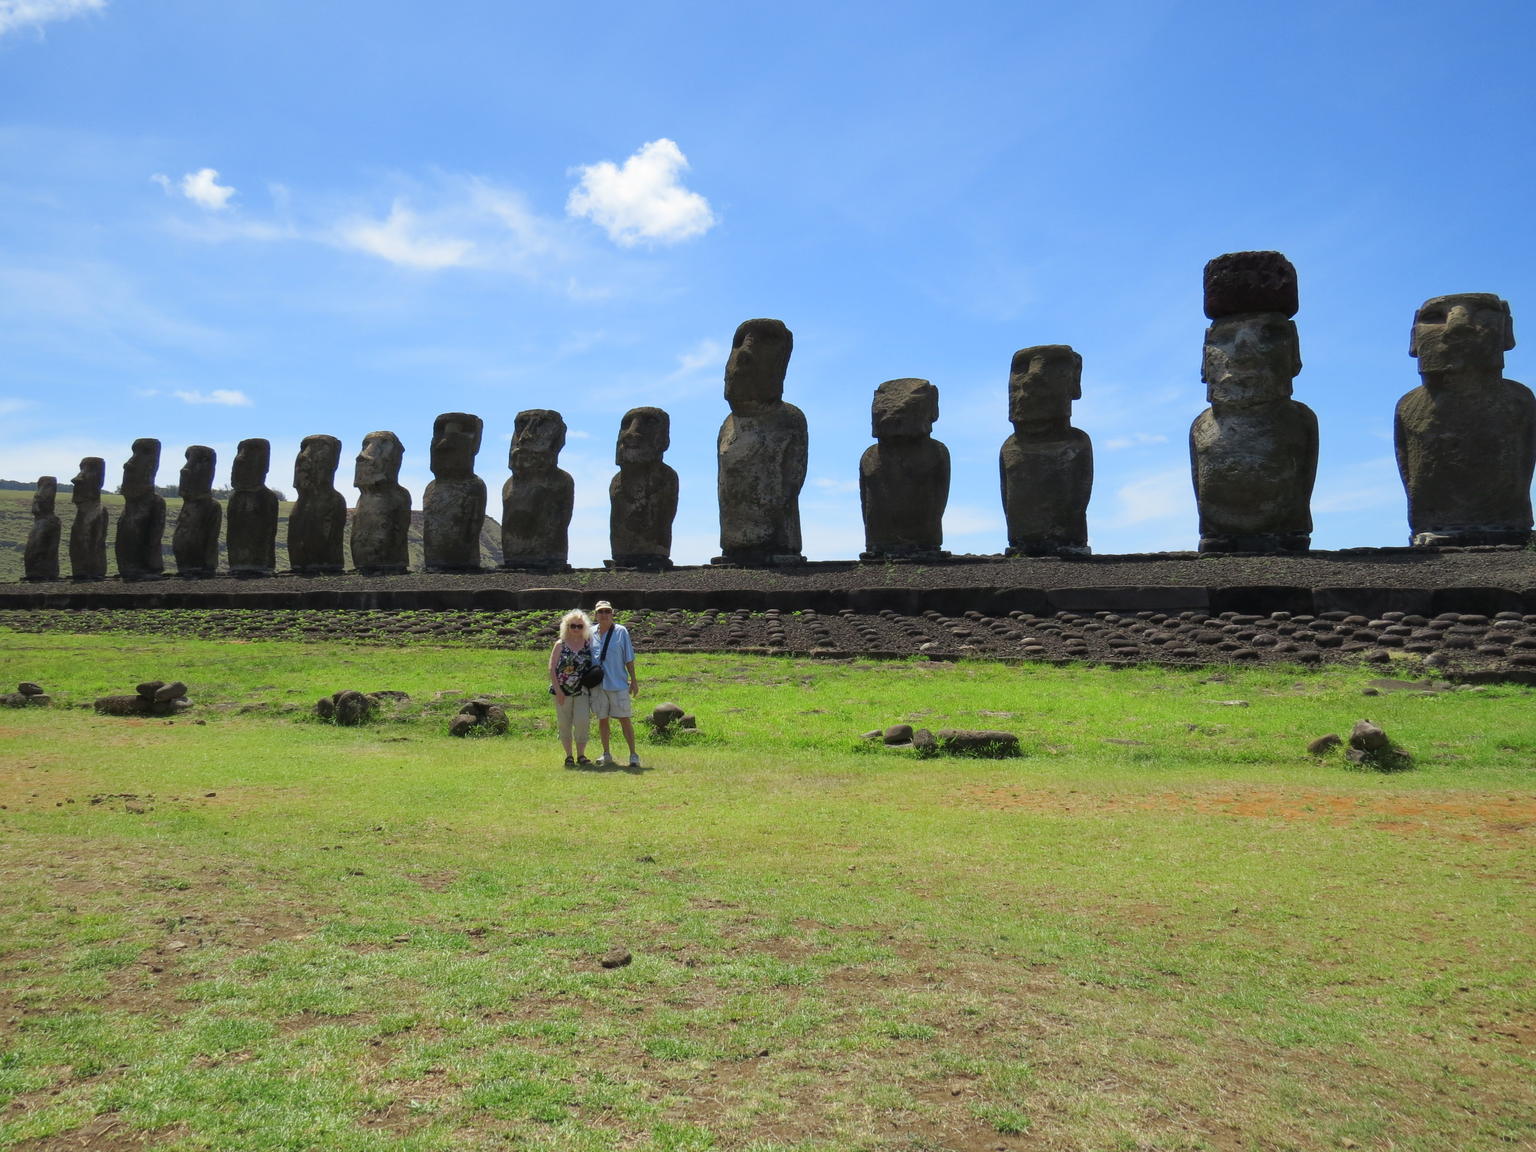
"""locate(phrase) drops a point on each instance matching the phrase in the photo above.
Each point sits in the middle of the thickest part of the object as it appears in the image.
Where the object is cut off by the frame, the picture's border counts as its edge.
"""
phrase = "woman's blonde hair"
(572, 617)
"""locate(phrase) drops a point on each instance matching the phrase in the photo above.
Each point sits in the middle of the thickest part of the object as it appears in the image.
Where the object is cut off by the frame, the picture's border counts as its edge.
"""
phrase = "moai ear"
(1413, 333)
(1509, 326)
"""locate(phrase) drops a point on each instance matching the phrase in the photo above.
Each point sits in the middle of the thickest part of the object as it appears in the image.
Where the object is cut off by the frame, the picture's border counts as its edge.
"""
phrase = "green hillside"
(16, 523)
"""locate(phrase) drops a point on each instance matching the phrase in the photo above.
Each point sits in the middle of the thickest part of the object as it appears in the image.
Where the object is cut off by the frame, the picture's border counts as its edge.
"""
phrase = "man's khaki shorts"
(610, 704)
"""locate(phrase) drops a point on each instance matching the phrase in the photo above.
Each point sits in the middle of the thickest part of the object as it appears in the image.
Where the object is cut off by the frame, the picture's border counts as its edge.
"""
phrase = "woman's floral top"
(570, 664)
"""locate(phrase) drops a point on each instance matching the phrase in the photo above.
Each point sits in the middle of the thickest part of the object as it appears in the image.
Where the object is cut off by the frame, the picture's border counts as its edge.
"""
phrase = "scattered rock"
(977, 742)
(1371, 747)
(479, 716)
(618, 958)
(27, 688)
(1367, 737)
(1324, 744)
(897, 734)
(664, 716)
(151, 698)
(172, 691)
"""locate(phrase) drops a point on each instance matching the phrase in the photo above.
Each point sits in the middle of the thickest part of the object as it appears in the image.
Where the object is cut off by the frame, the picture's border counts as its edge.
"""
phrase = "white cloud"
(203, 189)
(1135, 440)
(399, 240)
(17, 14)
(228, 396)
(642, 200)
(1154, 496)
(707, 353)
(827, 484)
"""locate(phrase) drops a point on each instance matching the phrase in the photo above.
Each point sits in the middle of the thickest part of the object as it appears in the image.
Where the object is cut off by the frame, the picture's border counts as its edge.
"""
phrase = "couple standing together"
(579, 648)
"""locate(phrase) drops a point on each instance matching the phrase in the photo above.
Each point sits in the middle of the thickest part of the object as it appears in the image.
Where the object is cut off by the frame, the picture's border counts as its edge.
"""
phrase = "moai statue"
(252, 539)
(141, 526)
(41, 559)
(1466, 437)
(1046, 466)
(537, 499)
(317, 524)
(453, 506)
(904, 476)
(382, 521)
(642, 497)
(761, 452)
(88, 534)
(1253, 452)
(195, 542)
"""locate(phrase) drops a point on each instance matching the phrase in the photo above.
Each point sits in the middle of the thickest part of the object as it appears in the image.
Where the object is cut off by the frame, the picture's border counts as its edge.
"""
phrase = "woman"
(571, 656)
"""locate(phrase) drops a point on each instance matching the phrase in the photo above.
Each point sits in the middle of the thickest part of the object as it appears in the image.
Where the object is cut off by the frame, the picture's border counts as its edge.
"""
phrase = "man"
(612, 700)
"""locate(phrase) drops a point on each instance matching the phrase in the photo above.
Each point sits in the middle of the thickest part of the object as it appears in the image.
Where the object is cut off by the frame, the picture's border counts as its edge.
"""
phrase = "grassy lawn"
(1162, 927)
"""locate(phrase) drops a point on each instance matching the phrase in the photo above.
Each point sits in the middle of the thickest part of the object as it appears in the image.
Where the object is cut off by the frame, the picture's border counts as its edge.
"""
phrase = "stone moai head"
(1252, 352)
(45, 496)
(754, 373)
(252, 459)
(904, 410)
(1250, 359)
(644, 436)
(538, 434)
(1241, 282)
(89, 480)
(378, 464)
(140, 468)
(1469, 331)
(314, 468)
(455, 441)
(197, 473)
(1042, 383)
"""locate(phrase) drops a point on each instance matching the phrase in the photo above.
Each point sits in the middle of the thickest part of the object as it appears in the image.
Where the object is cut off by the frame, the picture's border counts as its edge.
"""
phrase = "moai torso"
(1466, 437)
(141, 526)
(537, 499)
(904, 476)
(41, 558)
(453, 506)
(382, 523)
(88, 533)
(642, 496)
(252, 512)
(1253, 452)
(761, 451)
(317, 524)
(195, 542)
(1046, 466)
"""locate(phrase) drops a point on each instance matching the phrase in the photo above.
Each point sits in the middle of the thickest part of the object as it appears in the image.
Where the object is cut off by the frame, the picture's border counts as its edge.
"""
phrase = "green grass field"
(1162, 927)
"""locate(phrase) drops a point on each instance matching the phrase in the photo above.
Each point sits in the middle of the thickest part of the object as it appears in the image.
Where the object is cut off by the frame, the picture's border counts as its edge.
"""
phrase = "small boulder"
(897, 734)
(479, 716)
(14, 700)
(1324, 744)
(136, 705)
(175, 690)
(688, 722)
(617, 958)
(1367, 737)
(663, 716)
(461, 725)
(27, 688)
(38, 699)
(149, 688)
(977, 742)
(352, 708)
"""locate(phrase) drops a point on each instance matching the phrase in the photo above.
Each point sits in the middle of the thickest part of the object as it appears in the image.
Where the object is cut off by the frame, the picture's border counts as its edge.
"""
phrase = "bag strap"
(603, 659)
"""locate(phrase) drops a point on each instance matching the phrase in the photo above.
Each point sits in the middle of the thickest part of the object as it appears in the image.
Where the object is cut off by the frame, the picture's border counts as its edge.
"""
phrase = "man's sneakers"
(606, 761)
(634, 761)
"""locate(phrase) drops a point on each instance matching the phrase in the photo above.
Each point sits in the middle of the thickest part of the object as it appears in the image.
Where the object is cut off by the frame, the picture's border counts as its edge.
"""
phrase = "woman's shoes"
(569, 763)
(583, 762)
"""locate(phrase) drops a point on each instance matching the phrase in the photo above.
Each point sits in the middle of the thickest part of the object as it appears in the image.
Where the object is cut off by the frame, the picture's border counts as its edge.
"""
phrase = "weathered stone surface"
(897, 734)
(148, 688)
(977, 742)
(29, 688)
(1046, 466)
(40, 561)
(195, 543)
(175, 690)
(479, 716)
(537, 499)
(642, 496)
(761, 451)
(351, 708)
(1253, 452)
(318, 522)
(904, 476)
(143, 703)
(1466, 437)
(665, 715)
(1240, 282)
(88, 534)
(141, 525)
(252, 542)
(381, 523)
(38, 700)
(453, 506)
(1324, 744)
(1368, 737)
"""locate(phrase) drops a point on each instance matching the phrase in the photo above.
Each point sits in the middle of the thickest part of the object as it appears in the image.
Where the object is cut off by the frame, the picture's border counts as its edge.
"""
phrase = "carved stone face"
(1468, 331)
(314, 469)
(43, 499)
(537, 437)
(1042, 384)
(754, 374)
(904, 410)
(252, 459)
(140, 468)
(378, 464)
(197, 473)
(1250, 359)
(644, 435)
(88, 481)
(455, 440)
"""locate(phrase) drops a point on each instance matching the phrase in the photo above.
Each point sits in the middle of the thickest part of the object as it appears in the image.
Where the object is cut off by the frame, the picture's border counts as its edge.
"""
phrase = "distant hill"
(16, 523)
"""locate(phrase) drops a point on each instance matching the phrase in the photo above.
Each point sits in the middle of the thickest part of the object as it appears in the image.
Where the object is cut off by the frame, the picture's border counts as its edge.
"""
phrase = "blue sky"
(273, 218)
